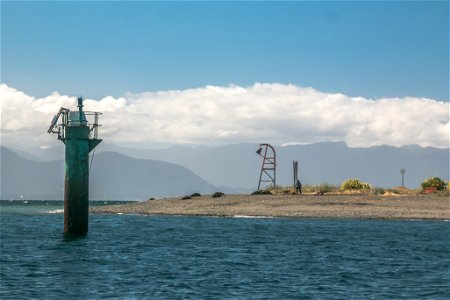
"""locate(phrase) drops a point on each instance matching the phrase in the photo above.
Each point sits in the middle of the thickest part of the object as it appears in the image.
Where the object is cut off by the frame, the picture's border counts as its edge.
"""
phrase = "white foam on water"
(252, 217)
(56, 211)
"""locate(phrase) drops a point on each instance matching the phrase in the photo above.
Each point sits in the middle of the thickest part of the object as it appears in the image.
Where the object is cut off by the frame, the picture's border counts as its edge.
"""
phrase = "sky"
(367, 73)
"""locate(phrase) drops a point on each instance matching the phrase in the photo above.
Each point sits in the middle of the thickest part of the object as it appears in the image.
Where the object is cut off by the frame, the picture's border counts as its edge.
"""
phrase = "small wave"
(252, 217)
(56, 211)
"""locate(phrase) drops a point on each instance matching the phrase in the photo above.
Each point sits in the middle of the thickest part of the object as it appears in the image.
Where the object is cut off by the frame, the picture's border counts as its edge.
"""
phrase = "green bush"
(379, 191)
(435, 182)
(355, 184)
(217, 195)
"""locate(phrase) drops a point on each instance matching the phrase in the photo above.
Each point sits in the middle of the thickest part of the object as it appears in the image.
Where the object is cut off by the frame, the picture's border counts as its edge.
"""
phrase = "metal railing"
(92, 118)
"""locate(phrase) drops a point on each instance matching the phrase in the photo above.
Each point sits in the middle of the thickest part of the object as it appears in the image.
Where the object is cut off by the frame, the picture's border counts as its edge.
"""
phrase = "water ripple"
(217, 258)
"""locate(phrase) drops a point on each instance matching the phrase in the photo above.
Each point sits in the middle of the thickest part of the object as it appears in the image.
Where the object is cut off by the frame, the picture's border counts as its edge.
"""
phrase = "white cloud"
(273, 113)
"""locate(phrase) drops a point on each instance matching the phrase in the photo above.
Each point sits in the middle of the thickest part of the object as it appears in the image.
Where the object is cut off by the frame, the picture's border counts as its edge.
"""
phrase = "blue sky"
(367, 49)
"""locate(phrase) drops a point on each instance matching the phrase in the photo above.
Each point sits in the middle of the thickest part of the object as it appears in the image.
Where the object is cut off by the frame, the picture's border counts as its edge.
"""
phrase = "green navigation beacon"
(80, 137)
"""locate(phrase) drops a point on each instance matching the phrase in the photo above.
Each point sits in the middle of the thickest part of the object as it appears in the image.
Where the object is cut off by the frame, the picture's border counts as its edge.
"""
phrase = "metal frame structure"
(91, 122)
(269, 165)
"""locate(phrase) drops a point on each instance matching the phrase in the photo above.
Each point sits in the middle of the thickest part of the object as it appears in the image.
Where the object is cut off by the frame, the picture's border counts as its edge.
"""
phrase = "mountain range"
(179, 170)
(113, 176)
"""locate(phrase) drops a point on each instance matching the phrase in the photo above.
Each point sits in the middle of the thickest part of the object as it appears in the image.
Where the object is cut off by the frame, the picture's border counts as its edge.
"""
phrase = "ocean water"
(157, 257)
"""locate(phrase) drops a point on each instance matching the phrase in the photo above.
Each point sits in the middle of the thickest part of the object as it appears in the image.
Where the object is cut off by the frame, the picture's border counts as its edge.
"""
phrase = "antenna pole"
(403, 171)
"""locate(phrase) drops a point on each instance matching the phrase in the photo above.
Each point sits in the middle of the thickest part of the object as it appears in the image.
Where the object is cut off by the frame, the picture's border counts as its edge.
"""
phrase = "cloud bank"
(275, 113)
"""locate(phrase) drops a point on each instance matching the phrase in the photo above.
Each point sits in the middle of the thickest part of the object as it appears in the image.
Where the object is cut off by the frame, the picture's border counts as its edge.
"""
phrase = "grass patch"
(321, 188)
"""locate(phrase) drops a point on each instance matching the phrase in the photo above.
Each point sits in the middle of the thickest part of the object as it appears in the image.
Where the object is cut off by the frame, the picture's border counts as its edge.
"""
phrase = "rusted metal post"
(295, 167)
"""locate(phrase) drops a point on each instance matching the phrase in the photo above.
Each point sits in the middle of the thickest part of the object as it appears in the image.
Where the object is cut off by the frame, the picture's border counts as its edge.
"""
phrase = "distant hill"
(117, 176)
(380, 165)
(238, 165)
(113, 176)
(235, 168)
(30, 179)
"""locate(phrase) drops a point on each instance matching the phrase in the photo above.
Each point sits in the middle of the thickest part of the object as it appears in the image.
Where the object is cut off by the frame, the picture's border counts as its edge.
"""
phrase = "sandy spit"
(304, 206)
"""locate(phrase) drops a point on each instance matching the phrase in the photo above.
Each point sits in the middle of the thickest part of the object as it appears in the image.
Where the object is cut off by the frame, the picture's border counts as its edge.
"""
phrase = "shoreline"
(401, 207)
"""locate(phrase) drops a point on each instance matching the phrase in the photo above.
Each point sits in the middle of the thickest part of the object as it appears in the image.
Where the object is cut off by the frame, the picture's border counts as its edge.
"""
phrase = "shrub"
(393, 191)
(379, 191)
(217, 194)
(320, 188)
(326, 188)
(262, 192)
(186, 198)
(195, 195)
(355, 184)
(277, 190)
(434, 182)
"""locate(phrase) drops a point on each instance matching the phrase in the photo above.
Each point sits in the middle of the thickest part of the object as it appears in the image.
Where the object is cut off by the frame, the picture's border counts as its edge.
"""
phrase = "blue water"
(155, 257)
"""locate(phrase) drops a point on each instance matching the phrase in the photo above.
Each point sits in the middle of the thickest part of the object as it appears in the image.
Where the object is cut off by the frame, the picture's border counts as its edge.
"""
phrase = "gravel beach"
(429, 207)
